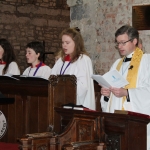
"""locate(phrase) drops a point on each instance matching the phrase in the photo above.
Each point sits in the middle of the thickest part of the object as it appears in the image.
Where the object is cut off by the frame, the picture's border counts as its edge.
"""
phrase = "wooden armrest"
(35, 141)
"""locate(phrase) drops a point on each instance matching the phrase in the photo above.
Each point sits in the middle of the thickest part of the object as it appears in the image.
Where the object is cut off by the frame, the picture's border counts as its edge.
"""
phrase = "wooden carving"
(113, 142)
(85, 130)
(54, 79)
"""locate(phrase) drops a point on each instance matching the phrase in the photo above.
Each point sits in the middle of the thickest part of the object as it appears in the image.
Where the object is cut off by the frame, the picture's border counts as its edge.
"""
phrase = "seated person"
(74, 60)
(8, 64)
(34, 54)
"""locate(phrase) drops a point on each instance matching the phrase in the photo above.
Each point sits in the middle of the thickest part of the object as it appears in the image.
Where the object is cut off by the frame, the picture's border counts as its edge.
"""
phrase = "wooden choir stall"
(37, 120)
(88, 130)
(35, 99)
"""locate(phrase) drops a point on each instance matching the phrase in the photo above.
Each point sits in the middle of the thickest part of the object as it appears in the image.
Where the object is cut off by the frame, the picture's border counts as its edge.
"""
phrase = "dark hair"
(130, 31)
(37, 47)
(8, 55)
(74, 33)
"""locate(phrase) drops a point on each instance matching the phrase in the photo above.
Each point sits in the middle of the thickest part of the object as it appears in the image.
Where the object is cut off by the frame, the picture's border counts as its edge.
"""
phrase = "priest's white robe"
(12, 69)
(82, 69)
(43, 71)
(139, 96)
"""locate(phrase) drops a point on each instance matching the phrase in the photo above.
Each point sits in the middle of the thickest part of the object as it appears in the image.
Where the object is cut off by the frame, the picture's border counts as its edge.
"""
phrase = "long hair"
(8, 55)
(79, 49)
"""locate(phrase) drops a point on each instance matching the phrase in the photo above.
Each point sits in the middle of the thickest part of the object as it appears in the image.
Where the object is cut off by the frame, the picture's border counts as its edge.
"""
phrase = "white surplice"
(12, 69)
(43, 71)
(82, 69)
(139, 96)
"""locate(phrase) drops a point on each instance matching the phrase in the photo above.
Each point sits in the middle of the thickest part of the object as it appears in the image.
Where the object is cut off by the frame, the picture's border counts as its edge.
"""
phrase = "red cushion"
(8, 146)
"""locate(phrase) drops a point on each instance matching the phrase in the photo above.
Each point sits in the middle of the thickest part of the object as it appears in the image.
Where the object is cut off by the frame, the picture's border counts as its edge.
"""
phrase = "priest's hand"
(105, 92)
(119, 92)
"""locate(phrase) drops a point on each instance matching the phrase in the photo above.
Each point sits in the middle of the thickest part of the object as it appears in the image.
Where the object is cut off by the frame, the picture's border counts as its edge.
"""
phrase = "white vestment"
(139, 96)
(82, 69)
(12, 69)
(43, 71)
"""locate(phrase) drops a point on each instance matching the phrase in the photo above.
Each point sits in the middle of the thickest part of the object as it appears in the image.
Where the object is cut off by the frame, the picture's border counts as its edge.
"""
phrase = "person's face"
(32, 57)
(125, 45)
(1, 52)
(68, 44)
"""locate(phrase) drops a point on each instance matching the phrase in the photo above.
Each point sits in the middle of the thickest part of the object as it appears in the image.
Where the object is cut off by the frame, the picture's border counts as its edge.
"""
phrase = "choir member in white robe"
(8, 64)
(34, 54)
(135, 67)
(75, 61)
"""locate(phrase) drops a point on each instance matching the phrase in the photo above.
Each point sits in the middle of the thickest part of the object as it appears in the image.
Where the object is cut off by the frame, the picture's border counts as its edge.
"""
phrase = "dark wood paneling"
(29, 113)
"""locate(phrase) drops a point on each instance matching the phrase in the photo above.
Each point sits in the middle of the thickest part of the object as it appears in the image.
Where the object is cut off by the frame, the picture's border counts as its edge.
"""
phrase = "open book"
(33, 78)
(111, 79)
(8, 77)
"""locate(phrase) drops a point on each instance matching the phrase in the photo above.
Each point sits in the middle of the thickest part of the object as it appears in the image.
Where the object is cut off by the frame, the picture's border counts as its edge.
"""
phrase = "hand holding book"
(111, 79)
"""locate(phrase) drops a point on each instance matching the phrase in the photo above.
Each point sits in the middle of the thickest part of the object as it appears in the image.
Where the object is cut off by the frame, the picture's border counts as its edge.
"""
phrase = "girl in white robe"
(75, 61)
(34, 54)
(8, 64)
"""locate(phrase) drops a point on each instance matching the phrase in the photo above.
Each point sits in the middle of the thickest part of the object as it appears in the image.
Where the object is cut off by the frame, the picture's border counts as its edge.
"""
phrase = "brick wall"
(23, 21)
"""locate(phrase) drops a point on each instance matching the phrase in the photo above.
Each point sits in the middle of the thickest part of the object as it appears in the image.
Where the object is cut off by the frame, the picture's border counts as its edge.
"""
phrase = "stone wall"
(23, 21)
(98, 21)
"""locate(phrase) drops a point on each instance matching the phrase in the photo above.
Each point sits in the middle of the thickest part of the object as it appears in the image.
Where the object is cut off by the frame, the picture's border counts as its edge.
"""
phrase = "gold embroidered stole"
(132, 73)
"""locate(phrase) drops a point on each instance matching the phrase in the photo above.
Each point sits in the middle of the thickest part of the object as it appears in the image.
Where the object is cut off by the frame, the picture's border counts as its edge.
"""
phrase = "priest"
(135, 67)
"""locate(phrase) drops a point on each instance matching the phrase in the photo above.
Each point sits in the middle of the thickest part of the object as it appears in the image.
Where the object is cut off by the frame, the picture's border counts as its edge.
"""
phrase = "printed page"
(111, 79)
(115, 79)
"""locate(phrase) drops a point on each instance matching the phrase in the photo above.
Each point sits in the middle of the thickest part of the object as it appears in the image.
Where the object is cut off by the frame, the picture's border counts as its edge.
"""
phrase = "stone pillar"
(83, 14)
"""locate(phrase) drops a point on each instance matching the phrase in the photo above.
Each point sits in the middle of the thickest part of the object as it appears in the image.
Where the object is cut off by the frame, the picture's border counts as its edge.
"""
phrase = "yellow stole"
(132, 73)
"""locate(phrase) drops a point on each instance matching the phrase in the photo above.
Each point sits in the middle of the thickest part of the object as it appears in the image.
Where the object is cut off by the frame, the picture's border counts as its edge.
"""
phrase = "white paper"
(10, 76)
(111, 79)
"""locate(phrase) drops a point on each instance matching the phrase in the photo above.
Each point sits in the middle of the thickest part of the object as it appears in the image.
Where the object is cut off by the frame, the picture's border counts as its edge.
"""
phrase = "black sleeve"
(128, 97)
(106, 99)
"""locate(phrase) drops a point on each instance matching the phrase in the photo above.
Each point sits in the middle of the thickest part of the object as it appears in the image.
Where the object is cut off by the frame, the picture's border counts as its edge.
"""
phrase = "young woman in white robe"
(75, 61)
(8, 64)
(34, 54)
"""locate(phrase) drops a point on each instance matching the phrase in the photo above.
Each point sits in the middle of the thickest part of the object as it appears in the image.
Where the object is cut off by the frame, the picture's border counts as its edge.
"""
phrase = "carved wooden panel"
(113, 142)
(85, 130)
(62, 91)
(79, 130)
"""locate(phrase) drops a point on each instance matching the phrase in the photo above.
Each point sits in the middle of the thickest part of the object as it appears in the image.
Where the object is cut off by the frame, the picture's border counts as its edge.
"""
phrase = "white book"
(111, 79)
(70, 107)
